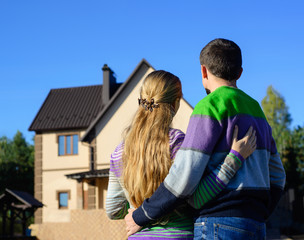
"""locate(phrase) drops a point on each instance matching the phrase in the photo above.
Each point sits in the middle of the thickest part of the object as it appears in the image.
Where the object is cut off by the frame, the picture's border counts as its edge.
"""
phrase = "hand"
(132, 227)
(245, 146)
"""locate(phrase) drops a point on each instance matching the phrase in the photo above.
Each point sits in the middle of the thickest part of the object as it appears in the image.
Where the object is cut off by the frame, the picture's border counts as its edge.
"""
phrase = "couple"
(171, 178)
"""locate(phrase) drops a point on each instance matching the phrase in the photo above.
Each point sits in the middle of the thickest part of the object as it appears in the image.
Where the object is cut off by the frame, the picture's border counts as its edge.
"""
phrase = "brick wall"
(38, 175)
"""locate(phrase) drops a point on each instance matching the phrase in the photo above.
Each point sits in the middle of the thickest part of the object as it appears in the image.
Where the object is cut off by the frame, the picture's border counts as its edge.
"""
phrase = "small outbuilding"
(16, 208)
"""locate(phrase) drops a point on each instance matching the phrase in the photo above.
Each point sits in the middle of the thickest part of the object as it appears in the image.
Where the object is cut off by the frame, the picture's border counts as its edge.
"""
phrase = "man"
(241, 210)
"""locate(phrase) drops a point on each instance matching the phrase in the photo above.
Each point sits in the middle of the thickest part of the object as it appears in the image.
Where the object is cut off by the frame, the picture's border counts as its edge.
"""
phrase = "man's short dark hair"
(223, 58)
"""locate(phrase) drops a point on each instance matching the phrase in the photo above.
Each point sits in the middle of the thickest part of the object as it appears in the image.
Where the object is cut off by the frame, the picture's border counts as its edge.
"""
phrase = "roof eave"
(43, 130)
(31, 126)
(89, 174)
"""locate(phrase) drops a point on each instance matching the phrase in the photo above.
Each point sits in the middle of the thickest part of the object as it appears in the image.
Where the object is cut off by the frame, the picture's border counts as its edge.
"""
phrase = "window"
(67, 145)
(63, 199)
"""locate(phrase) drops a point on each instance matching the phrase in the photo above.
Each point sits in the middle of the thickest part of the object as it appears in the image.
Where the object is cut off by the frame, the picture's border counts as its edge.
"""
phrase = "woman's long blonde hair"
(146, 155)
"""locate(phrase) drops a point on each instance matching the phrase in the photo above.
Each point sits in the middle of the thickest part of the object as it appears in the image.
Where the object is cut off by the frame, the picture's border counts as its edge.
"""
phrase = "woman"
(141, 162)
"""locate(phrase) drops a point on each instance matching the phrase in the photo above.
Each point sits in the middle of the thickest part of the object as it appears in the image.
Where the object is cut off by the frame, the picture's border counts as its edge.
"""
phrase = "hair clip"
(147, 105)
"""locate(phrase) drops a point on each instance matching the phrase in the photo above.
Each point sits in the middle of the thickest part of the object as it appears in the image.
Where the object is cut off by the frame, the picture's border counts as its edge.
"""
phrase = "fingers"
(235, 133)
(254, 148)
(129, 233)
(249, 132)
(131, 226)
(133, 229)
(246, 145)
(253, 141)
(251, 137)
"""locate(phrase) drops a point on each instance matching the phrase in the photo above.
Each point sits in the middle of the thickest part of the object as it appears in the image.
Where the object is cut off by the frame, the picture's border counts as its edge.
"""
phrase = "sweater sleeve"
(186, 171)
(277, 178)
(211, 185)
(116, 202)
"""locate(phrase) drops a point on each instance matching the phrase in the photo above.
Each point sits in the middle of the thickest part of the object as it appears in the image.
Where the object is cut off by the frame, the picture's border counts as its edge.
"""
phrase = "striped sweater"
(252, 193)
(179, 223)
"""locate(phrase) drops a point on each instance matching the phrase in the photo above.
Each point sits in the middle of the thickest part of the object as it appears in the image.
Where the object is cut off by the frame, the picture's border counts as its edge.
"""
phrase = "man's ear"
(241, 71)
(204, 71)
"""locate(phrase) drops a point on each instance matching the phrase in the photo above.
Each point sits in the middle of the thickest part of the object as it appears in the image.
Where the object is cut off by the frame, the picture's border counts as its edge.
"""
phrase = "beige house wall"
(182, 117)
(51, 160)
(53, 176)
(109, 133)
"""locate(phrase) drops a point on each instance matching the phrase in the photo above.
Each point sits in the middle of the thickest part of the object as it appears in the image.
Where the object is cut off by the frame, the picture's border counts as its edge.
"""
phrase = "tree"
(277, 114)
(296, 146)
(290, 144)
(16, 164)
(293, 158)
(279, 119)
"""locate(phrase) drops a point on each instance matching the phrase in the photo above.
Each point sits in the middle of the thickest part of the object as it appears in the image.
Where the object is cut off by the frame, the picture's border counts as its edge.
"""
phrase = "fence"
(84, 225)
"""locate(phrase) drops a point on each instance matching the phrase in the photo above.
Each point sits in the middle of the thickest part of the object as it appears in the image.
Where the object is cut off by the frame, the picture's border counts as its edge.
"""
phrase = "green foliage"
(16, 164)
(290, 143)
(277, 114)
(293, 159)
(290, 162)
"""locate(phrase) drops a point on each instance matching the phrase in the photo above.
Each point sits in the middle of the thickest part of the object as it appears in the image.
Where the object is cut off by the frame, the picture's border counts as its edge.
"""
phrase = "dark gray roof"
(89, 174)
(69, 108)
(18, 197)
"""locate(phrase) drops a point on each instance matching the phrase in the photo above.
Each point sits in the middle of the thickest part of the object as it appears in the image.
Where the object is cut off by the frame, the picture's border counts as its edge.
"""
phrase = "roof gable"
(140, 69)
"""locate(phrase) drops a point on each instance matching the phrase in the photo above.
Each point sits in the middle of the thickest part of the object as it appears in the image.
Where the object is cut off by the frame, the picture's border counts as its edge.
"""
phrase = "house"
(76, 130)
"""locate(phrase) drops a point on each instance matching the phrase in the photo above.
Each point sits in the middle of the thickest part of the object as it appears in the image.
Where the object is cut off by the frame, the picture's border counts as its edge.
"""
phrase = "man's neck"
(219, 82)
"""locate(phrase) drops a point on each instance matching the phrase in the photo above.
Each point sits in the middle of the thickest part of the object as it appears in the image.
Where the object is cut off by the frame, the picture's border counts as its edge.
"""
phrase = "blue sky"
(57, 44)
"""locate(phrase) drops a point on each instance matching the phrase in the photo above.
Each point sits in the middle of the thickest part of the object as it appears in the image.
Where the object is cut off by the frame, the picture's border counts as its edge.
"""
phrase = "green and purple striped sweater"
(257, 187)
(179, 223)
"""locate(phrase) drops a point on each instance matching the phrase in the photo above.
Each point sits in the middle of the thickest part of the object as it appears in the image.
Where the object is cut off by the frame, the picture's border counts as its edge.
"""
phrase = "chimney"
(109, 82)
